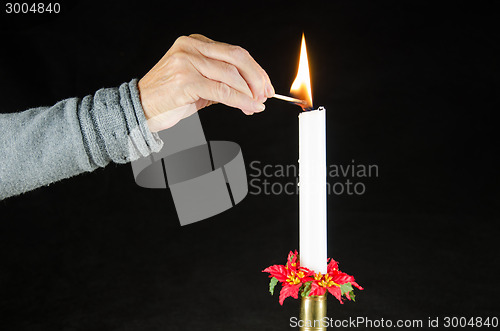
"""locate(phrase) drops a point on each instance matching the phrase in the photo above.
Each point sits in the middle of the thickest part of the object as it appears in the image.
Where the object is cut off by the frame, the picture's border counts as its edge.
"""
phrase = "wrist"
(145, 99)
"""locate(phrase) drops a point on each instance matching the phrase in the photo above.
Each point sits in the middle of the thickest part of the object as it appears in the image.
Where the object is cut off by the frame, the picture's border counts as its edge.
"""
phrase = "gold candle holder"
(313, 313)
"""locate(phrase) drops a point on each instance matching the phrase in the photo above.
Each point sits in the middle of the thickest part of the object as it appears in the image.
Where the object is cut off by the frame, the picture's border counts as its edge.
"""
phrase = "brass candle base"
(313, 313)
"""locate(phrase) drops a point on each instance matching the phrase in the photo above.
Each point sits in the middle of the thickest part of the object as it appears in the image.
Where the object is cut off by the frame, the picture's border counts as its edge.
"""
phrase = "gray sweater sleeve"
(40, 146)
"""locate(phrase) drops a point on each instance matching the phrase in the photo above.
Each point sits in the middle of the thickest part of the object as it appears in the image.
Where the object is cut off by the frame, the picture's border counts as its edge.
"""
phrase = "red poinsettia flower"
(296, 279)
(334, 281)
(291, 276)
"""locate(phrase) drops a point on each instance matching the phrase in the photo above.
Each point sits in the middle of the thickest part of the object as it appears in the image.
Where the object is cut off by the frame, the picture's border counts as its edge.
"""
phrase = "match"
(289, 99)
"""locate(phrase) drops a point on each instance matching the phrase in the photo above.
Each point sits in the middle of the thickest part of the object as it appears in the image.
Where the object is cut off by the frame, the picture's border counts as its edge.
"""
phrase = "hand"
(197, 72)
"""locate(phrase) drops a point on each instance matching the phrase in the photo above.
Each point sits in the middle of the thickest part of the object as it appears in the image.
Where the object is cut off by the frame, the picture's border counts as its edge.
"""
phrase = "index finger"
(256, 77)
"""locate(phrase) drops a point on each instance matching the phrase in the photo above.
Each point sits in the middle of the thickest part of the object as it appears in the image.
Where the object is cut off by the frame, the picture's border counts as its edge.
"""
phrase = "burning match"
(290, 99)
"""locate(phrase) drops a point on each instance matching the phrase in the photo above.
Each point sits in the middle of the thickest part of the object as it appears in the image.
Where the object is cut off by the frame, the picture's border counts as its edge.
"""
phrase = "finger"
(203, 38)
(219, 92)
(256, 78)
(221, 71)
(269, 86)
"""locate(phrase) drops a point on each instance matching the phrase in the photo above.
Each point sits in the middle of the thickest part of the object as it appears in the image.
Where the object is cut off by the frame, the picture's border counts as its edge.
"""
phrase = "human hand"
(197, 72)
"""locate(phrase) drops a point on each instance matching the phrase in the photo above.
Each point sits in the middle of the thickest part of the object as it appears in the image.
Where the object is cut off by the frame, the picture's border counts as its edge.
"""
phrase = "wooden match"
(289, 99)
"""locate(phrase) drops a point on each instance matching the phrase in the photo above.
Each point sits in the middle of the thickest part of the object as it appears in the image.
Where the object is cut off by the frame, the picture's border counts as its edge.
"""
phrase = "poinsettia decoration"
(296, 279)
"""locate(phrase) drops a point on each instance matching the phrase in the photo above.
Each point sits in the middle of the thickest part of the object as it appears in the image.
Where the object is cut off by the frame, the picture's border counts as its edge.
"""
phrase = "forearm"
(42, 145)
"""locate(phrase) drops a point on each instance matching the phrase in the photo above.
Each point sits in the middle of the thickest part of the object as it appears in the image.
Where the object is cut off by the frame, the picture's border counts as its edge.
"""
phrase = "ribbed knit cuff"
(147, 142)
(114, 126)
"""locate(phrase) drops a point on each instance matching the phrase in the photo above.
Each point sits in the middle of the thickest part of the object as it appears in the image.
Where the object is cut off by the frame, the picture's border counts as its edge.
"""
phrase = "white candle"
(312, 190)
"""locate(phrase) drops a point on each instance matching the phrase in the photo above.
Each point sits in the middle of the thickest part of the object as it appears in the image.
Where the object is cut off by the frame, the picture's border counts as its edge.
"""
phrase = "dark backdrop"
(409, 87)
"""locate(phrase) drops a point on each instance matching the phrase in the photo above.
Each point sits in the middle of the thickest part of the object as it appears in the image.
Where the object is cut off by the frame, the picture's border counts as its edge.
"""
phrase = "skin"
(197, 72)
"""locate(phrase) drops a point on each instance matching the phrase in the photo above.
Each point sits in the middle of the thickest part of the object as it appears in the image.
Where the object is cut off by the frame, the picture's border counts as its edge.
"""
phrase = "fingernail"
(269, 90)
(258, 106)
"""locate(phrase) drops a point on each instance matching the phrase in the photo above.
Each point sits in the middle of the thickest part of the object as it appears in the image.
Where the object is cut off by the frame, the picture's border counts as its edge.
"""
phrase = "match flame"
(301, 87)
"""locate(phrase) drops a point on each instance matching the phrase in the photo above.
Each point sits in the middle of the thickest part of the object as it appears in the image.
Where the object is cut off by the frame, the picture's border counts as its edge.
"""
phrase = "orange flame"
(301, 87)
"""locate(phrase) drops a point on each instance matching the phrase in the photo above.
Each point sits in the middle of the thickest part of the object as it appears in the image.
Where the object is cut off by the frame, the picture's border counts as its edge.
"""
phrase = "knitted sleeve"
(43, 145)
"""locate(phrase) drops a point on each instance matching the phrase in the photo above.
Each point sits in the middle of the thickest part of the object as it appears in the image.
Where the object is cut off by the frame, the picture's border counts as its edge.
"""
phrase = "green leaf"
(272, 284)
(345, 288)
(306, 289)
(352, 296)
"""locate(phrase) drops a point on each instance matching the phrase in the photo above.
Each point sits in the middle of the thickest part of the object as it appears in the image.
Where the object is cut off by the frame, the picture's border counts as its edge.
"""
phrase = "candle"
(312, 172)
(312, 190)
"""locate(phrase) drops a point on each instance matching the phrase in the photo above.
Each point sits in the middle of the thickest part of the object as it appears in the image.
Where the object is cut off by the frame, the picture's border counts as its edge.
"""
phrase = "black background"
(409, 86)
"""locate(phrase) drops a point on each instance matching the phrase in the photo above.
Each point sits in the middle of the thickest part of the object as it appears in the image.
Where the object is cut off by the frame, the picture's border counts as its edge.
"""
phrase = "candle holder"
(297, 281)
(313, 313)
